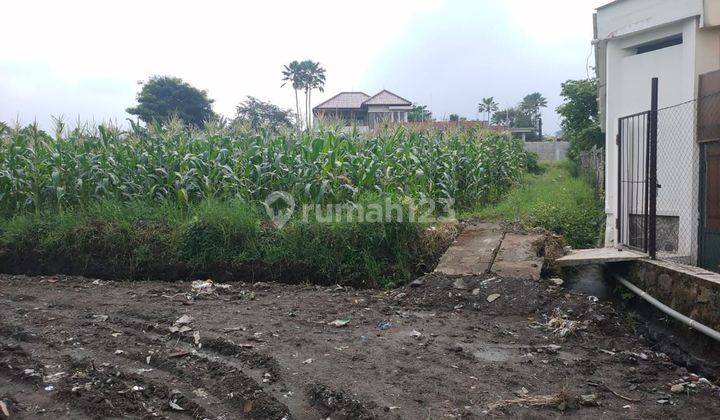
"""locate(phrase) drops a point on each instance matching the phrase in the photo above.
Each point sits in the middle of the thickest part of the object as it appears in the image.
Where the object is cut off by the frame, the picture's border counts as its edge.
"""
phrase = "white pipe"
(668, 310)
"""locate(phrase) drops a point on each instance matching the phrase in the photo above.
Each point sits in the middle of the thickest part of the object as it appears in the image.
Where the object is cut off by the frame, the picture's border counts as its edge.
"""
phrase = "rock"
(588, 400)
(677, 389)
(185, 319)
(493, 297)
(557, 281)
(459, 284)
(417, 283)
(475, 292)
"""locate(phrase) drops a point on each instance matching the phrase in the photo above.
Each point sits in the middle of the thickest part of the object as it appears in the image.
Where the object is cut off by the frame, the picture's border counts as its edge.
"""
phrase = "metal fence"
(592, 165)
(663, 188)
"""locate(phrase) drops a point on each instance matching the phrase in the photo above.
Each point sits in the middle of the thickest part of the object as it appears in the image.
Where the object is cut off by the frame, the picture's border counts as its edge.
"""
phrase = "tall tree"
(531, 105)
(579, 116)
(294, 73)
(314, 78)
(419, 113)
(162, 97)
(488, 105)
(263, 114)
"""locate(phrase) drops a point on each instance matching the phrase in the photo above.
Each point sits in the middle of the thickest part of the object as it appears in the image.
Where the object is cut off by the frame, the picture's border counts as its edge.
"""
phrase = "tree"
(488, 105)
(313, 78)
(511, 117)
(579, 116)
(531, 105)
(263, 114)
(454, 117)
(294, 73)
(419, 113)
(164, 96)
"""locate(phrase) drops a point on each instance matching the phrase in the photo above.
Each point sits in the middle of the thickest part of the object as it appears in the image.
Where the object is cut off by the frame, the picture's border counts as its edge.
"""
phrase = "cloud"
(82, 59)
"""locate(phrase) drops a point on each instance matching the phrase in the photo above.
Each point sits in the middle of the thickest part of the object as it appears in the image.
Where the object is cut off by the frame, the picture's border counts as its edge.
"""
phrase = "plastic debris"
(384, 325)
(493, 297)
(339, 322)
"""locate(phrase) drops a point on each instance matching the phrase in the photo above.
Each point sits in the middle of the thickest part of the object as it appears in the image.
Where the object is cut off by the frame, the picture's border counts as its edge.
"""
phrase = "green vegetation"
(171, 202)
(304, 75)
(183, 166)
(163, 97)
(554, 200)
(579, 117)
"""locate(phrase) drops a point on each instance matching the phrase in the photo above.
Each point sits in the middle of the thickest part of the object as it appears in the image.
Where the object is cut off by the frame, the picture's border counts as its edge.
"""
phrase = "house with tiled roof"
(361, 109)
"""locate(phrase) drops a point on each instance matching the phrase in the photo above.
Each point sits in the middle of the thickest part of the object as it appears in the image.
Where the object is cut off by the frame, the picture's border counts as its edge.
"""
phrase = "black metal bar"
(652, 178)
(619, 184)
(646, 214)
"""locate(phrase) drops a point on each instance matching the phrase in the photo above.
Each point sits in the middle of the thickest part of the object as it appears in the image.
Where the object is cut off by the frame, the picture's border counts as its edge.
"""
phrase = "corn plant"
(39, 171)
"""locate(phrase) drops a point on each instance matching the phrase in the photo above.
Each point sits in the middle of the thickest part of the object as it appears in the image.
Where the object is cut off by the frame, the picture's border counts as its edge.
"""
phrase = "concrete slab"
(472, 252)
(518, 257)
(599, 256)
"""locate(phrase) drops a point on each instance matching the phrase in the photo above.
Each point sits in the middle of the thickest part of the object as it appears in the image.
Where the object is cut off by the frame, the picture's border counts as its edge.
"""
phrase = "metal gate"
(637, 178)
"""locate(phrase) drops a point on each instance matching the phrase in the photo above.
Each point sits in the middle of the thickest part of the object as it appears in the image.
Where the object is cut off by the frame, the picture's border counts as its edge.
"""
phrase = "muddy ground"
(483, 346)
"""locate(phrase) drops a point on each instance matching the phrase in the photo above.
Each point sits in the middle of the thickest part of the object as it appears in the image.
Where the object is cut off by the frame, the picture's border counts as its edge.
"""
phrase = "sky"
(82, 60)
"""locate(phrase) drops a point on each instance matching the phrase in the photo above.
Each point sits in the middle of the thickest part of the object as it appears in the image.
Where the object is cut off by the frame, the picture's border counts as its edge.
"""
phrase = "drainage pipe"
(668, 310)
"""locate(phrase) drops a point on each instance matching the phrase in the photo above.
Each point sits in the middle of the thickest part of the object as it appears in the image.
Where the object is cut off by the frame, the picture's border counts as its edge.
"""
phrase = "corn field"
(75, 167)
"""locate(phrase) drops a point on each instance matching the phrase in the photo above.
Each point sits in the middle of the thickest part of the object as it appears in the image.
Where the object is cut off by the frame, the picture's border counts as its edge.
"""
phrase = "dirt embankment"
(441, 347)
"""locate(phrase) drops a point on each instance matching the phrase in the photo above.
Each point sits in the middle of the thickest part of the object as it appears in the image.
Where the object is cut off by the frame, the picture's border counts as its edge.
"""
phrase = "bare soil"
(72, 347)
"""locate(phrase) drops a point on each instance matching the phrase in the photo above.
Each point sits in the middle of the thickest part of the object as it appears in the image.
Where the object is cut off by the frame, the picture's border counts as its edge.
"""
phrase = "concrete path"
(484, 248)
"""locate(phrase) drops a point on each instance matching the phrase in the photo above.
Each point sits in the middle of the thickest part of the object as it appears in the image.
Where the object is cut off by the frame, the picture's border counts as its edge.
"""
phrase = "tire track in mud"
(229, 387)
(97, 389)
(232, 366)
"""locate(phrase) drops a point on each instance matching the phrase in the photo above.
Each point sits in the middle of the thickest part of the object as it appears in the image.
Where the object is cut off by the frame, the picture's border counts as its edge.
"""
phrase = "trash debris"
(564, 327)
(119, 351)
(493, 297)
(593, 299)
(137, 388)
(200, 392)
(49, 388)
(101, 318)
(307, 361)
(476, 292)
(457, 307)
(459, 283)
(384, 325)
(116, 334)
(557, 281)
(174, 406)
(663, 401)
(4, 408)
(196, 338)
(559, 400)
(417, 283)
(415, 334)
(339, 322)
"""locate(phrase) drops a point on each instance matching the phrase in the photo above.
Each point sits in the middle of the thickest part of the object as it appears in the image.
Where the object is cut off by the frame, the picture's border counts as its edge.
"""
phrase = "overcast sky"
(83, 59)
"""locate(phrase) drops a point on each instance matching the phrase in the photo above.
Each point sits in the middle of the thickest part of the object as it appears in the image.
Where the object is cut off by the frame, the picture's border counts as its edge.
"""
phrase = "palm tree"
(489, 106)
(531, 104)
(314, 79)
(294, 73)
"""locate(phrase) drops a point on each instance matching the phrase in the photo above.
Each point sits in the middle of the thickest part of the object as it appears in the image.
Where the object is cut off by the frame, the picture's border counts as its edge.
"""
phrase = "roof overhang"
(625, 17)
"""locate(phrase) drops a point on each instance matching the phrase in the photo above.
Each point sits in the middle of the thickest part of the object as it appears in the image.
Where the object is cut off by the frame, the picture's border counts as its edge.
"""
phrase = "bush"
(556, 201)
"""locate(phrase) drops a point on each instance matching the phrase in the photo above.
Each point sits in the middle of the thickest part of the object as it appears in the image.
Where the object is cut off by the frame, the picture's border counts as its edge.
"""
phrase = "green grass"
(554, 200)
(230, 239)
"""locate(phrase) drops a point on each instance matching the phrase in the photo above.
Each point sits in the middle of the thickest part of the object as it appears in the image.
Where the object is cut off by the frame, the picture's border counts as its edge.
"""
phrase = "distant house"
(364, 110)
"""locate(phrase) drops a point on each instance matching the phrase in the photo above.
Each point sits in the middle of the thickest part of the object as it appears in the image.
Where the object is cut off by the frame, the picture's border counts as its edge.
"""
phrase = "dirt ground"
(483, 346)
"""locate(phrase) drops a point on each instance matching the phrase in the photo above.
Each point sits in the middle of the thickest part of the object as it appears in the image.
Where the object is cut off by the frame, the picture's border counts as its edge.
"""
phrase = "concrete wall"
(548, 150)
(692, 291)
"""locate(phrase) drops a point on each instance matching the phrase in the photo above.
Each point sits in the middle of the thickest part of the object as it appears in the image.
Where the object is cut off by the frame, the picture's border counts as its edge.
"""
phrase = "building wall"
(548, 150)
(628, 81)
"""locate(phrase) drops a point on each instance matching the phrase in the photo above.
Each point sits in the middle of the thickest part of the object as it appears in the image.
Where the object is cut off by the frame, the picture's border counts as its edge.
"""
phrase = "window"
(659, 44)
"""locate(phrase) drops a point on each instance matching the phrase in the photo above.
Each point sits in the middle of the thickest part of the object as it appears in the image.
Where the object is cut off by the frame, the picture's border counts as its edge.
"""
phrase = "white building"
(675, 41)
